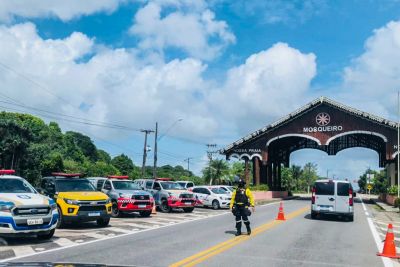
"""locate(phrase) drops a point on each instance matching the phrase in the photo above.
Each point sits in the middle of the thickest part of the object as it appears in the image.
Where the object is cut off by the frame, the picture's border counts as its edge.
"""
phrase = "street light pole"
(188, 162)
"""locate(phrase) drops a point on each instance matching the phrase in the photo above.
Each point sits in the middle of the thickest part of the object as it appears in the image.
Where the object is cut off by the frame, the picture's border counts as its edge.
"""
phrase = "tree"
(309, 175)
(103, 156)
(215, 171)
(123, 163)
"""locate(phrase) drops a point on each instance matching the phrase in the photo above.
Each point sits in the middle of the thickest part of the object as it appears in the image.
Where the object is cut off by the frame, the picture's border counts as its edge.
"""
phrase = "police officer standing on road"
(242, 198)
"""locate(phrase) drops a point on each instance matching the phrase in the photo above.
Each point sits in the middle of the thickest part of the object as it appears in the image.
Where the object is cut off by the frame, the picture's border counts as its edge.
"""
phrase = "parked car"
(77, 199)
(212, 196)
(186, 184)
(127, 196)
(23, 211)
(168, 195)
(97, 182)
(332, 197)
(228, 189)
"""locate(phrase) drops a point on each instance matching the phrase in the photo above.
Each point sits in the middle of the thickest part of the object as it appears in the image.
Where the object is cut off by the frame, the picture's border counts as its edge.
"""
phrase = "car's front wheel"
(115, 212)
(188, 210)
(164, 206)
(46, 236)
(215, 204)
(103, 222)
(145, 213)
(60, 222)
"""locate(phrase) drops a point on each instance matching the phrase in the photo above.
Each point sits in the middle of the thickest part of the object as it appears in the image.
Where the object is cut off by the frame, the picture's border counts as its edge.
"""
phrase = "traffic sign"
(369, 187)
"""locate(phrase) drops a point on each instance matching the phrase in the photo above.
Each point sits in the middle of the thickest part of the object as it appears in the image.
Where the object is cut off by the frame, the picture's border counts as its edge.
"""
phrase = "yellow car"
(77, 200)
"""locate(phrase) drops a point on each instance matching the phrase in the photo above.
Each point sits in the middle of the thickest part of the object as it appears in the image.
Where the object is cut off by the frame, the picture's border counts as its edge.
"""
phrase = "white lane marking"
(64, 242)
(120, 230)
(20, 251)
(366, 213)
(386, 262)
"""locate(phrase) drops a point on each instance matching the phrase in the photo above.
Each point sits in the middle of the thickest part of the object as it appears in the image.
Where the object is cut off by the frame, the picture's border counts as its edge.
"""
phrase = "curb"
(273, 200)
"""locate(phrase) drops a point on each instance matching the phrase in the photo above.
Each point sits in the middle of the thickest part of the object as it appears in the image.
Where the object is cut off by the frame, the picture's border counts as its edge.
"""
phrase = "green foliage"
(297, 178)
(261, 187)
(123, 164)
(392, 190)
(397, 203)
(379, 180)
(216, 172)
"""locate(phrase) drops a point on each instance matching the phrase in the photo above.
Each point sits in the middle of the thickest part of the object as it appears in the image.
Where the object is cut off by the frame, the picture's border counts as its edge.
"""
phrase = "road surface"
(298, 241)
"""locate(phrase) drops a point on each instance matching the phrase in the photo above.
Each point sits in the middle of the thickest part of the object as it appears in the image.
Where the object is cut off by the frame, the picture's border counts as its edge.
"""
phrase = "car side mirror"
(354, 194)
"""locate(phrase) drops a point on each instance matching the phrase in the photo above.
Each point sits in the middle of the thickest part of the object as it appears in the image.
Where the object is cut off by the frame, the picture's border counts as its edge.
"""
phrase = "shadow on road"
(230, 232)
(327, 217)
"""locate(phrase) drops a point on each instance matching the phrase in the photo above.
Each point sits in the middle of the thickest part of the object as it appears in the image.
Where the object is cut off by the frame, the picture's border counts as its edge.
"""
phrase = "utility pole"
(146, 132)
(155, 152)
(398, 144)
(188, 162)
(210, 155)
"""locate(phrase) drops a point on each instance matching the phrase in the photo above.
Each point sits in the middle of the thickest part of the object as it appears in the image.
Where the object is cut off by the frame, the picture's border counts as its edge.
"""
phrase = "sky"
(209, 72)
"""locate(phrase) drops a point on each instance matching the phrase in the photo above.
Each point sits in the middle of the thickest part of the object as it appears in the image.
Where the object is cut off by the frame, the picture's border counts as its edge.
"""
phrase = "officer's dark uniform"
(242, 198)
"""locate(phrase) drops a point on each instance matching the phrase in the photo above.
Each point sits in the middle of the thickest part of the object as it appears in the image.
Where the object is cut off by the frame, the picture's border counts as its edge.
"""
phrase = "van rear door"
(342, 199)
(325, 196)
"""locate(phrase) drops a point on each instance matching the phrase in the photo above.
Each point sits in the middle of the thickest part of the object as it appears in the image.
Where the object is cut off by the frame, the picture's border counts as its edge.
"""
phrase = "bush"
(261, 187)
(392, 190)
(397, 203)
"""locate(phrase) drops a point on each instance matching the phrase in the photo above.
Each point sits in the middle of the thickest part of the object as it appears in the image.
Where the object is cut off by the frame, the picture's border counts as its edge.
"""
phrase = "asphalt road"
(298, 241)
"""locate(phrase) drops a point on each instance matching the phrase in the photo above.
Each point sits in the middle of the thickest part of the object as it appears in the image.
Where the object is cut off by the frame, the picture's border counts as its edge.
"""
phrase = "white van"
(332, 197)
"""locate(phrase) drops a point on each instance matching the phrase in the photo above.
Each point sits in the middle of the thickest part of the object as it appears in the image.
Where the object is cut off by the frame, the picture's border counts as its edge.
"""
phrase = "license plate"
(92, 214)
(324, 207)
(188, 203)
(142, 206)
(34, 221)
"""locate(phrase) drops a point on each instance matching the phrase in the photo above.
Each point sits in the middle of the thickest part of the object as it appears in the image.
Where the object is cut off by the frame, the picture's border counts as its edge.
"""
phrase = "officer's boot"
(247, 223)
(238, 228)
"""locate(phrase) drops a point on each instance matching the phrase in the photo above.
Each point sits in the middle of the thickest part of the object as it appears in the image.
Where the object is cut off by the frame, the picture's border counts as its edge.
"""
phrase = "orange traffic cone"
(154, 210)
(281, 214)
(389, 248)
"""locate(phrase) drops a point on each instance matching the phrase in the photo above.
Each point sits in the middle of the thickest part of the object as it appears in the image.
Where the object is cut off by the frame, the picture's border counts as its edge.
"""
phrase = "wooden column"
(246, 171)
(279, 176)
(256, 167)
(269, 175)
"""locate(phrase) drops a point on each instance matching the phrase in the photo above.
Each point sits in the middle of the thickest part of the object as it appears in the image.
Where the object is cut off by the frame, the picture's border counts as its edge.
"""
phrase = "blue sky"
(225, 68)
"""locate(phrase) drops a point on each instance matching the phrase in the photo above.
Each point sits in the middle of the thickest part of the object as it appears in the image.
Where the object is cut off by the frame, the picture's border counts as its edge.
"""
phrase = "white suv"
(332, 197)
(212, 196)
(23, 211)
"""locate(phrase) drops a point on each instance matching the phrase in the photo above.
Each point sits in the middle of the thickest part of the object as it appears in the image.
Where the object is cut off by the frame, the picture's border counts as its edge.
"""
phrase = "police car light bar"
(4, 172)
(61, 174)
(164, 179)
(118, 177)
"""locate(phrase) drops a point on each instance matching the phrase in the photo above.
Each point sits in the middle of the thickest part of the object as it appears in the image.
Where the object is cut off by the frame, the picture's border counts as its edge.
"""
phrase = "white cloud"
(188, 26)
(374, 76)
(64, 10)
(113, 85)
(267, 86)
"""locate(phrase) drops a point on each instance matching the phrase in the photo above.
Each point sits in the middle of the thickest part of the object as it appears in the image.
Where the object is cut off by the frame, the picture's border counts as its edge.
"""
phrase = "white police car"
(23, 211)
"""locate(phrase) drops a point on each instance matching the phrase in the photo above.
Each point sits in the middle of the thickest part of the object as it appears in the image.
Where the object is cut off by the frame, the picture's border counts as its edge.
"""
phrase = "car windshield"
(171, 186)
(125, 185)
(15, 186)
(74, 185)
(218, 190)
(182, 184)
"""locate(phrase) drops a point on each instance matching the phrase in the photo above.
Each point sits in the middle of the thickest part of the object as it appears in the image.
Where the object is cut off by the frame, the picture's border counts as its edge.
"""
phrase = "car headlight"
(124, 195)
(71, 201)
(6, 206)
(53, 206)
(108, 201)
